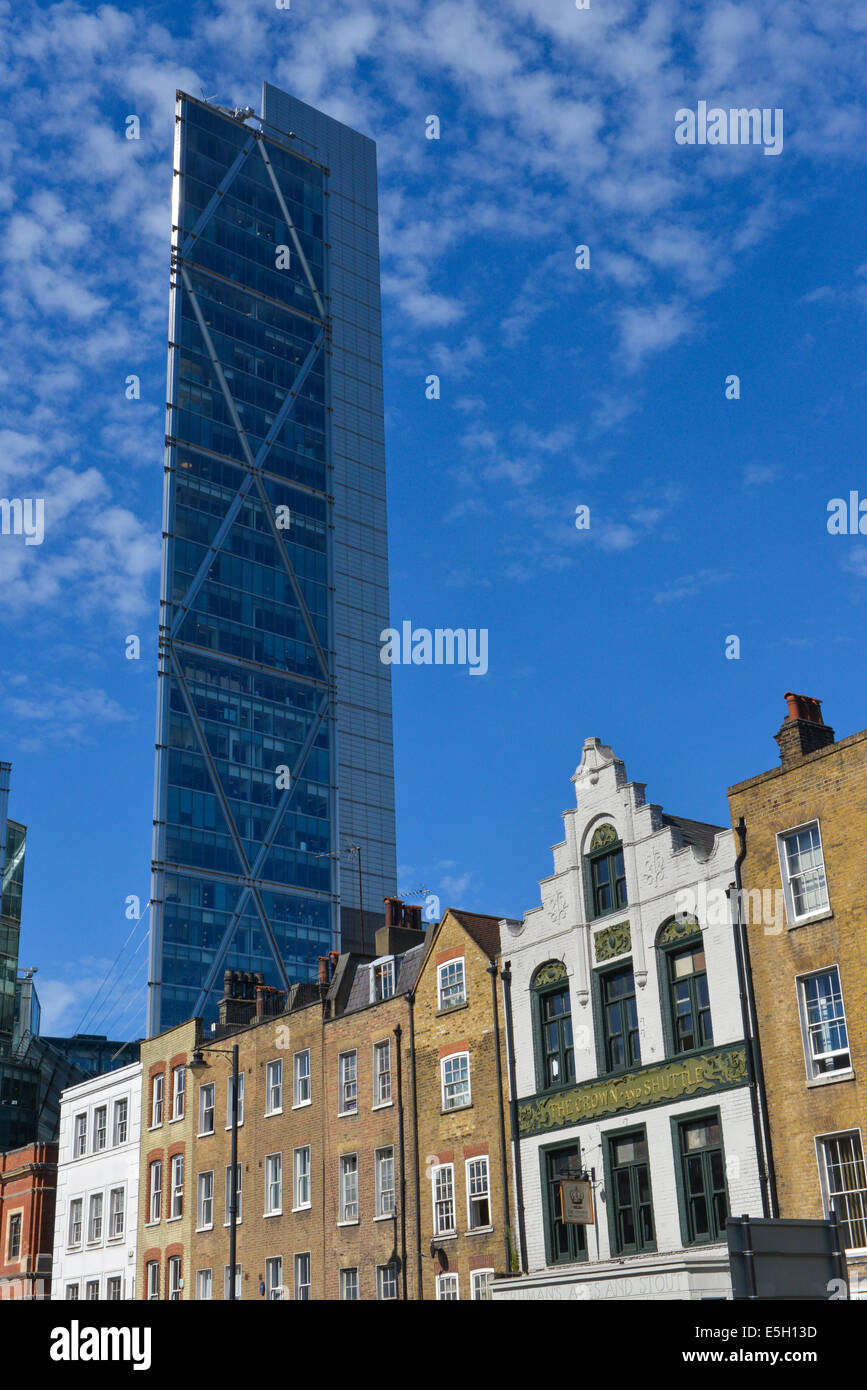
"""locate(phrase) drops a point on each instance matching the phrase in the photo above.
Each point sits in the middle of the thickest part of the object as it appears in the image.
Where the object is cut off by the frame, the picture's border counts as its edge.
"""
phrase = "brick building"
(635, 1097)
(167, 1130)
(343, 1098)
(28, 1186)
(463, 1108)
(801, 829)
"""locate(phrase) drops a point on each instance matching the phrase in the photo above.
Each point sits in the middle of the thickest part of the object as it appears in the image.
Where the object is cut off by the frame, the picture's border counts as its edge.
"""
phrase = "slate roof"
(407, 963)
(695, 832)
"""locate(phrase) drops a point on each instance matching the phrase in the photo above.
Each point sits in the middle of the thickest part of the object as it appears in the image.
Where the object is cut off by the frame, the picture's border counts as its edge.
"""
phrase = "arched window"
(605, 872)
(555, 1057)
(683, 983)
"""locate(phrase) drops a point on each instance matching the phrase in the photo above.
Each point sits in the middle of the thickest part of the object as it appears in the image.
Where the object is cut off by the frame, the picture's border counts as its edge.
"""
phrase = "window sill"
(200, 1230)
(356, 1221)
(300, 1104)
(151, 1223)
(446, 1235)
(848, 1075)
(176, 1119)
(452, 1008)
(278, 1212)
(269, 1113)
(480, 1231)
(227, 1224)
(386, 1216)
(382, 1105)
(308, 1206)
(170, 1219)
(813, 917)
(453, 1109)
(346, 1114)
(204, 1133)
(151, 1128)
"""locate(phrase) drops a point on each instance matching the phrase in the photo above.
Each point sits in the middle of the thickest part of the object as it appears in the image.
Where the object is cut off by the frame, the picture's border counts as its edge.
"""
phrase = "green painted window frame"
(593, 857)
(610, 1138)
(604, 1067)
(677, 1123)
(578, 1234)
(540, 993)
(665, 951)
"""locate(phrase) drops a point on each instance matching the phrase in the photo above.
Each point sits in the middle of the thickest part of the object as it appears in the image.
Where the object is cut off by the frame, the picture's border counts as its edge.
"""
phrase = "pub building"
(636, 1124)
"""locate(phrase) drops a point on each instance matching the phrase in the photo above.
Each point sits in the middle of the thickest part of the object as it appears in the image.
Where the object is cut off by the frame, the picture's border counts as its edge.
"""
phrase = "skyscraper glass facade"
(247, 838)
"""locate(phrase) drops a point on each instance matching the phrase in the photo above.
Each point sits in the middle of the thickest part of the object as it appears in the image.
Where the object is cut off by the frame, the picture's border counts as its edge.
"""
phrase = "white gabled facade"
(633, 1086)
(96, 1219)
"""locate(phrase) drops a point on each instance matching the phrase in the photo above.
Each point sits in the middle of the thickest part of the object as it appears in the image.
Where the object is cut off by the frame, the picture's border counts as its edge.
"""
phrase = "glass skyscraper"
(274, 768)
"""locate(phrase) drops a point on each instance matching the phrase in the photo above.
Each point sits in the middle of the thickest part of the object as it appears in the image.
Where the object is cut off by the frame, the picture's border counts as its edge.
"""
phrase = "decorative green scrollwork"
(602, 837)
(678, 930)
(612, 941)
(700, 1074)
(549, 974)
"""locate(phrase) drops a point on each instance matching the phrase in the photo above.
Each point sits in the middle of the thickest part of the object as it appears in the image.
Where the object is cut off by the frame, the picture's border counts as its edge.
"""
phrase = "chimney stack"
(393, 912)
(803, 730)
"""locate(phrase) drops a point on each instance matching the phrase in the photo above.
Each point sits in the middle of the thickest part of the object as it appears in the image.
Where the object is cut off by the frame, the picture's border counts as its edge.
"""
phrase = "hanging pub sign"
(576, 1202)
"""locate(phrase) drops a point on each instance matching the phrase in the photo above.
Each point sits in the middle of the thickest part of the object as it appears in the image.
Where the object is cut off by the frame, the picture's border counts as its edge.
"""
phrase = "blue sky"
(559, 386)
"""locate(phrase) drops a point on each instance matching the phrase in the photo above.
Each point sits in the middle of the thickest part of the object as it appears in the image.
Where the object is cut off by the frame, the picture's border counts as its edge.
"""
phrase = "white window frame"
(380, 1158)
(274, 1088)
(157, 1094)
(175, 1279)
(344, 1205)
(274, 1184)
(303, 1287)
(442, 1193)
(386, 1275)
(240, 1101)
(239, 1282)
(119, 1119)
(384, 965)
(79, 1130)
(90, 1284)
(300, 1203)
(152, 1280)
(96, 1200)
(347, 1081)
(155, 1190)
(179, 1092)
(72, 1243)
(476, 1276)
(176, 1179)
(795, 919)
(240, 1194)
(15, 1228)
(100, 1129)
(116, 1230)
(814, 1075)
(447, 966)
(348, 1277)
(274, 1278)
(444, 1062)
(205, 1199)
(447, 1282)
(485, 1159)
(207, 1109)
(204, 1282)
(822, 1156)
(71, 1292)
(378, 1073)
(301, 1080)
(116, 1279)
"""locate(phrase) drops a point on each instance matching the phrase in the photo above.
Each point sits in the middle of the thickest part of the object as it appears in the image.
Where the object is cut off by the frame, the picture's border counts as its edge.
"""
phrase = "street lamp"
(197, 1061)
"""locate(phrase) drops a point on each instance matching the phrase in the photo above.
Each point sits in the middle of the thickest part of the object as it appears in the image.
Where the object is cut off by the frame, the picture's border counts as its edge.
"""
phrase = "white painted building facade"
(629, 1048)
(96, 1220)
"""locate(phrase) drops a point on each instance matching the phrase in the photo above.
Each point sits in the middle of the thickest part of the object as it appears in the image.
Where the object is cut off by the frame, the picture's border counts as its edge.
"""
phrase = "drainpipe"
(506, 977)
(411, 999)
(492, 971)
(755, 1070)
(400, 1142)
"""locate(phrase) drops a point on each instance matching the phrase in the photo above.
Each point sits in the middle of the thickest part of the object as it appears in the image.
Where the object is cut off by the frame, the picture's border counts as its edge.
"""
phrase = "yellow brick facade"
(829, 785)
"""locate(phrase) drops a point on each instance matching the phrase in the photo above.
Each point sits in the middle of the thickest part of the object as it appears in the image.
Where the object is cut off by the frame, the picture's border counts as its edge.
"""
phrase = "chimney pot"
(803, 730)
(323, 963)
(393, 912)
